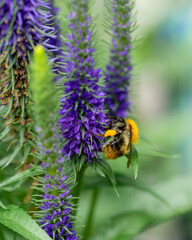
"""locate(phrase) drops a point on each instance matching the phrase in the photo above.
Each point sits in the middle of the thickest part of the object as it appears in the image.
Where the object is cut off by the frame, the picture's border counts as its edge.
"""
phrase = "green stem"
(88, 227)
(77, 189)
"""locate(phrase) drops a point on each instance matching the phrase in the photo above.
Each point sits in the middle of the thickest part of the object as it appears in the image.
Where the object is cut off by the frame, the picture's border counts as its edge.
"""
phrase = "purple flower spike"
(56, 213)
(22, 26)
(81, 111)
(118, 70)
(18, 30)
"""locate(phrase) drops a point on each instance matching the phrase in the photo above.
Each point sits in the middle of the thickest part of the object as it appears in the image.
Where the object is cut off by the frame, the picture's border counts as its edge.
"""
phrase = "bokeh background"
(164, 100)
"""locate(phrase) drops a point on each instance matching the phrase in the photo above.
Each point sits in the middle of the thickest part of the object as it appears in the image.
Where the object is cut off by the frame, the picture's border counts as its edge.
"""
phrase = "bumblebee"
(122, 133)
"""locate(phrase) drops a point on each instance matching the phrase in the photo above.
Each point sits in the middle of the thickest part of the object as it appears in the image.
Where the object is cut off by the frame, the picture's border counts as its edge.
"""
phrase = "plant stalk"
(77, 189)
(89, 222)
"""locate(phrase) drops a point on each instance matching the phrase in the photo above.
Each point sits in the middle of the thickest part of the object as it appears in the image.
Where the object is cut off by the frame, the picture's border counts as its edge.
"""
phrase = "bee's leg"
(117, 145)
(113, 117)
(100, 149)
(115, 142)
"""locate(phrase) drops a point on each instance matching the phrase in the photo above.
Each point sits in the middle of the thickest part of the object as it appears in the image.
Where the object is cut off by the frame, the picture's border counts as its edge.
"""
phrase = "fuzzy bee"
(122, 133)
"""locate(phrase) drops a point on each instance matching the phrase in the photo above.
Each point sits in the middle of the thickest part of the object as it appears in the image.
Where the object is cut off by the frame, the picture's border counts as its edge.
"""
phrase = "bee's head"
(118, 124)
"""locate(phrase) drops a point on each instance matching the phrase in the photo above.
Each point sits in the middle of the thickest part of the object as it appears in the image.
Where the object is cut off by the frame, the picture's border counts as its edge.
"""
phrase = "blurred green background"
(164, 100)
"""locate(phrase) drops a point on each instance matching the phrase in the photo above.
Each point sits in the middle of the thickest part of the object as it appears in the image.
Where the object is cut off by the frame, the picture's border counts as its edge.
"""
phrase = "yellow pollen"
(135, 130)
(110, 133)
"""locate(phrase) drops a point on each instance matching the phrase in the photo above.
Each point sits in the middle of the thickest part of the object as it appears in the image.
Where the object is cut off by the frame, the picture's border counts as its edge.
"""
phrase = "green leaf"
(106, 169)
(13, 187)
(132, 158)
(147, 149)
(9, 106)
(134, 161)
(22, 132)
(20, 176)
(5, 132)
(3, 109)
(19, 221)
(100, 172)
(25, 155)
(2, 205)
(12, 156)
(121, 181)
(4, 160)
(142, 211)
(22, 110)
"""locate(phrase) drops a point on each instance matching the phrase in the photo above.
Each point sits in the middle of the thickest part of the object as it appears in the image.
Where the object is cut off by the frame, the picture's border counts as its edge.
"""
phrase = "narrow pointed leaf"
(12, 156)
(108, 171)
(2, 205)
(134, 161)
(19, 221)
(20, 176)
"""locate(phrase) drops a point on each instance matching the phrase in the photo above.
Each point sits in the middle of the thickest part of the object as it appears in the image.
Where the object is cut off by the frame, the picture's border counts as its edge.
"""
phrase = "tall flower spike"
(21, 28)
(43, 91)
(118, 70)
(55, 215)
(81, 111)
(55, 204)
